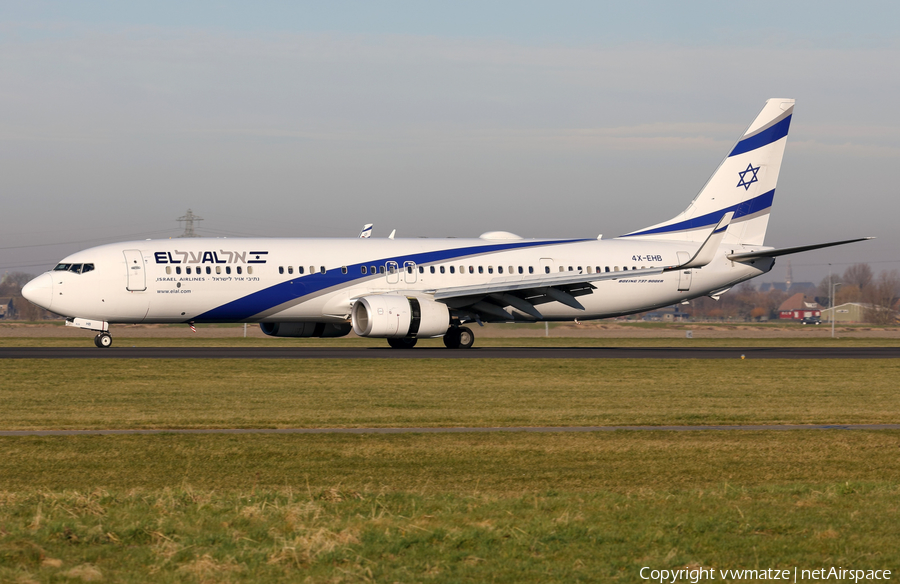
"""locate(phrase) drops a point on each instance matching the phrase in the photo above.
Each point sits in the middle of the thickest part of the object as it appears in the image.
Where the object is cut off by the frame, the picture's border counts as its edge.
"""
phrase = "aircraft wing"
(524, 293)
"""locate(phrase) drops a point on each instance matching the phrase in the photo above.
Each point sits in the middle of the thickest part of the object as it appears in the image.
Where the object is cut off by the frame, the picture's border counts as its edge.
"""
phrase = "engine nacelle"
(394, 316)
(305, 329)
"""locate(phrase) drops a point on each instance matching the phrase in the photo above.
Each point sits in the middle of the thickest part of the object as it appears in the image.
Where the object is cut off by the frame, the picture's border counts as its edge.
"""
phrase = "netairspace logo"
(696, 575)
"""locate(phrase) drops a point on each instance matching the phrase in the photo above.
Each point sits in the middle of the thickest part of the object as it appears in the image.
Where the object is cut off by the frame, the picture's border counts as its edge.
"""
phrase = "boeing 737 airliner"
(404, 290)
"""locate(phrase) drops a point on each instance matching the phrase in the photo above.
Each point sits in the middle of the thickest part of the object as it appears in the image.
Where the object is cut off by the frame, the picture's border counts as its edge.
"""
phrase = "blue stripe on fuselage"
(247, 306)
(748, 207)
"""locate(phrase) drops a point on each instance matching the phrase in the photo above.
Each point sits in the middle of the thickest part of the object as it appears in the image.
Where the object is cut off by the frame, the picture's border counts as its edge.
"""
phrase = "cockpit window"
(74, 268)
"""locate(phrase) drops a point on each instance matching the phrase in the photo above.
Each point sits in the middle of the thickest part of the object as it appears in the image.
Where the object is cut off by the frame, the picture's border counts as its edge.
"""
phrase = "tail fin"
(744, 183)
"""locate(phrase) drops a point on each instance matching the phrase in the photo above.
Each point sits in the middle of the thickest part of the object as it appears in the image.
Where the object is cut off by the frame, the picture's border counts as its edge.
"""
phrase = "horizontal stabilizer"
(772, 253)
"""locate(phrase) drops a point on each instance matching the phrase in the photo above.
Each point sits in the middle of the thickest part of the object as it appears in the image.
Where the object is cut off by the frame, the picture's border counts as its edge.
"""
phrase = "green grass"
(476, 507)
(209, 393)
(444, 508)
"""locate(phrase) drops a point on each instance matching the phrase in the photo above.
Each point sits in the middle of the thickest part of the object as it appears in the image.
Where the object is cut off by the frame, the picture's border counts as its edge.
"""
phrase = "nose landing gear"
(103, 340)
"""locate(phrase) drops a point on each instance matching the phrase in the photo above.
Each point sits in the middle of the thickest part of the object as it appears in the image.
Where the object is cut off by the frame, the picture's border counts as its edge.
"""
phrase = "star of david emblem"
(744, 182)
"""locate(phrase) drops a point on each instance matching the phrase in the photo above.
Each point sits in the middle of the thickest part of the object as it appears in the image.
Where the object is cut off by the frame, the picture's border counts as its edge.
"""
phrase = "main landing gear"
(460, 337)
(456, 338)
(103, 340)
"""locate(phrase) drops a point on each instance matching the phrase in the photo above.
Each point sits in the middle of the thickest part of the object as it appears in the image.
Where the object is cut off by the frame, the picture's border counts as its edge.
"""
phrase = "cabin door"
(137, 275)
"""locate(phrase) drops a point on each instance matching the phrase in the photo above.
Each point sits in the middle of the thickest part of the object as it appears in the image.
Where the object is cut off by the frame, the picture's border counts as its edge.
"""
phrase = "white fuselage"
(317, 280)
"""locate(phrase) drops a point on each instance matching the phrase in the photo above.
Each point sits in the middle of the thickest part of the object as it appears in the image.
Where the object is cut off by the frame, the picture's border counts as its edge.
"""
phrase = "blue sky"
(562, 119)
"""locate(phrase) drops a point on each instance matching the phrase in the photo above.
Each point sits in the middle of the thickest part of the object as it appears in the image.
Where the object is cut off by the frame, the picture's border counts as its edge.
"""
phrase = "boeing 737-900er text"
(407, 289)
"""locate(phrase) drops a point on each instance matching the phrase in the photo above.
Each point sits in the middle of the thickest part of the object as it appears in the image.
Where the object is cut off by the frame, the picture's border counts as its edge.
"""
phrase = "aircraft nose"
(39, 291)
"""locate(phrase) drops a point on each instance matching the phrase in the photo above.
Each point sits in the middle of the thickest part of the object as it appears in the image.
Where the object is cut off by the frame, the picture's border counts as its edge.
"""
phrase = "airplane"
(407, 289)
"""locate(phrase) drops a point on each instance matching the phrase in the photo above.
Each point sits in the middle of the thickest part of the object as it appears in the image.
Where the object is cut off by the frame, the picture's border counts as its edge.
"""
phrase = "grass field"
(499, 507)
(210, 393)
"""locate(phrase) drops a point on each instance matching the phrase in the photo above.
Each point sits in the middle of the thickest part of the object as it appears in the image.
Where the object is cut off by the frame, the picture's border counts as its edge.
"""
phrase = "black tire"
(466, 337)
(451, 338)
(97, 341)
(103, 340)
(402, 343)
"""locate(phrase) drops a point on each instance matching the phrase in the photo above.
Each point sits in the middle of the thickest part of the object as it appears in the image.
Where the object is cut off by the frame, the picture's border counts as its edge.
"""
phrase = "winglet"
(708, 250)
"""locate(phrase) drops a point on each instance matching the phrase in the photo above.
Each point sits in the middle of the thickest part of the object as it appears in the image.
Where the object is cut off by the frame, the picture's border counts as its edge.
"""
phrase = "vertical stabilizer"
(744, 183)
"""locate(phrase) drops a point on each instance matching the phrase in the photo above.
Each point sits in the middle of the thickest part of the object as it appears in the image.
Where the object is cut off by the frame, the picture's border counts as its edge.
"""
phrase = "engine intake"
(393, 316)
(305, 329)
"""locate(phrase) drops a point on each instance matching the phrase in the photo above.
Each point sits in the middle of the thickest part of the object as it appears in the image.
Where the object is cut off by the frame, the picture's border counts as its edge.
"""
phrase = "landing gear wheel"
(459, 338)
(402, 343)
(103, 340)
(451, 338)
(466, 337)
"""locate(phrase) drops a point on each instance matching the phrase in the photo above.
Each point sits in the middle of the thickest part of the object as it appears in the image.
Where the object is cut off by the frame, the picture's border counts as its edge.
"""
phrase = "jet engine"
(304, 329)
(394, 316)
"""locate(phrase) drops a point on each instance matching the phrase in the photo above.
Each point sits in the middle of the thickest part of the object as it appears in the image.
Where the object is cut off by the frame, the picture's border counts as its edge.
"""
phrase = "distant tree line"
(858, 284)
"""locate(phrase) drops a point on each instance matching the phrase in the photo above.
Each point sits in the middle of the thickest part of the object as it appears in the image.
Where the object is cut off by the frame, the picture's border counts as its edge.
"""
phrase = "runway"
(441, 353)
(538, 429)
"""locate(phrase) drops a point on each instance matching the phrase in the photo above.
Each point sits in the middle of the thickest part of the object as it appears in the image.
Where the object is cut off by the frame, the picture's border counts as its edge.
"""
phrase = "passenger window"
(362, 269)
(177, 269)
(490, 270)
(218, 269)
(511, 270)
(422, 270)
(249, 269)
(546, 269)
(208, 270)
(343, 269)
(562, 268)
(168, 269)
(615, 268)
(227, 269)
(312, 270)
(499, 269)
(589, 269)
(431, 269)
(299, 269)
(187, 270)
(442, 269)
(452, 269)
(531, 270)
(624, 268)
(381, 269)
(471, 269)
(579, 268)
(281, 269)
(373, 270)
(633, 267)
(521, 271)
(322, 269)
(409, 269)
(606, 269)
(570, 269)
(238, 269)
